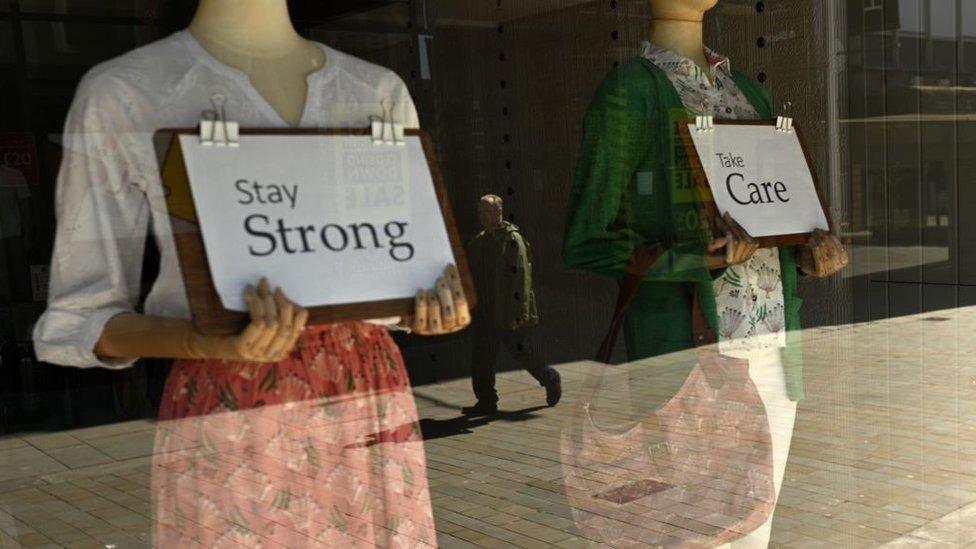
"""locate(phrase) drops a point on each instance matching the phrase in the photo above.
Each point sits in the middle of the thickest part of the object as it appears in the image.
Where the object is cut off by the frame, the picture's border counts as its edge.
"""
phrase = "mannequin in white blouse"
(257, 38)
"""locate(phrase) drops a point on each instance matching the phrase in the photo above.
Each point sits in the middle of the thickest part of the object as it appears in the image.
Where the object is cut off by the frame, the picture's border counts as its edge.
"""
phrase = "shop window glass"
(942, 17)
(848, 425)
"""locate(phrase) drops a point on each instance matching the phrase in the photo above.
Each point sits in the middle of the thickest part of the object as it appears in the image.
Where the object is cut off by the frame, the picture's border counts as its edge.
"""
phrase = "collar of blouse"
(675, 62)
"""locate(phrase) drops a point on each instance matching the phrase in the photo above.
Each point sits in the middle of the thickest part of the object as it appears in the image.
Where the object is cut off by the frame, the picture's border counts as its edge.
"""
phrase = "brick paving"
(883, 454)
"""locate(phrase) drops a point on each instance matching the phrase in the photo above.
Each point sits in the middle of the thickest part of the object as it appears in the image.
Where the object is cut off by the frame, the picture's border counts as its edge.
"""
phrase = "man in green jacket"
(502, 269)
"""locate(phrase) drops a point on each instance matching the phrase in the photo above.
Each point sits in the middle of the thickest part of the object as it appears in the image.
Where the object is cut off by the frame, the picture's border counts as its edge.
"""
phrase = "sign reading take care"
(331, 219)
(761, 177)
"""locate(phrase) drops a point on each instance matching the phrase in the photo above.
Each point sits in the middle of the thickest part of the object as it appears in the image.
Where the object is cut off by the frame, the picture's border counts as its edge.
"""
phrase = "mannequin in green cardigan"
(676, 25)
(626, 195)
(630, 191)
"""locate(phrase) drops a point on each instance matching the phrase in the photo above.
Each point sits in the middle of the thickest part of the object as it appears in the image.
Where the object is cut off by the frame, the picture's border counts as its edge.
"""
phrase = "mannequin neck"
(677, 26)
(257, 37)
(681, 37)
(259, 29)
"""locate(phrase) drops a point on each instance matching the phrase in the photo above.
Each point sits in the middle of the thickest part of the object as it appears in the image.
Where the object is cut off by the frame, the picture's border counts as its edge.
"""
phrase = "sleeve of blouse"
(405, 112)
(102, 219)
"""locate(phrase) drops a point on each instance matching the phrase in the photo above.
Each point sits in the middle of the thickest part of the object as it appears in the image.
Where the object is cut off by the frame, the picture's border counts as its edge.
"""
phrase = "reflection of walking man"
(503, 274)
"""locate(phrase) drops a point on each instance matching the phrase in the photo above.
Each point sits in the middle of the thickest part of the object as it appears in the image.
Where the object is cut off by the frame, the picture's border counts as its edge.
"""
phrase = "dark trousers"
(485, 354)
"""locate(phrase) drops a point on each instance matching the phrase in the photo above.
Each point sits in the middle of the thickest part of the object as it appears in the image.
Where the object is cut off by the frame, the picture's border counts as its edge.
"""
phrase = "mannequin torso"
(257, 38)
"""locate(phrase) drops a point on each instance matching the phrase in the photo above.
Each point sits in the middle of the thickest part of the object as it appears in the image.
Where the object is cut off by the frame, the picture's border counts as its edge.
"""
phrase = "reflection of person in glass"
(503, 272)
(279, 435)
(628, 194)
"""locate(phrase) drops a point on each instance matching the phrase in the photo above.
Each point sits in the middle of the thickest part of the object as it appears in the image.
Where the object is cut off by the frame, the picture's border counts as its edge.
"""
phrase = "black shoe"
(481, 408)
(554, 391)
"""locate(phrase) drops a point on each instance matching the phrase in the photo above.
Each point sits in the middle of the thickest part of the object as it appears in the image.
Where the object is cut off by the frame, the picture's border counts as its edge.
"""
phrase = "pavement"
(883, 453)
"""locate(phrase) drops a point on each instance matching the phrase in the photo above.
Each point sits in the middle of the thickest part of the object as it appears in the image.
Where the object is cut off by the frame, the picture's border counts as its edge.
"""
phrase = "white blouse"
(109, 193)
(748, 297)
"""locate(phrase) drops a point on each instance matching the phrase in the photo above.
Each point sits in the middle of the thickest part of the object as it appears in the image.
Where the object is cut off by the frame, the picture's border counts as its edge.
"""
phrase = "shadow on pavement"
(460, 425)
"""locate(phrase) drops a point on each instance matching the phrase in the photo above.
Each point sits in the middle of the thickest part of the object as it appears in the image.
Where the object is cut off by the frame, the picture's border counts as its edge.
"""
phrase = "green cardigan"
(633, 187)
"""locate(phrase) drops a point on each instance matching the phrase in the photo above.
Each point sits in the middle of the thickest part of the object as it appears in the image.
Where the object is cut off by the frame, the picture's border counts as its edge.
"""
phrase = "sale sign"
(19, 153)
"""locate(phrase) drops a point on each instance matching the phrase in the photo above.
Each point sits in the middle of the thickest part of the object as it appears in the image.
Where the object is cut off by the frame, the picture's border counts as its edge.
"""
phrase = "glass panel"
(88, 7)
(942, 17)
(828, 405)
(909, 16)
(968, 19)
(7, 40)
(66, 49)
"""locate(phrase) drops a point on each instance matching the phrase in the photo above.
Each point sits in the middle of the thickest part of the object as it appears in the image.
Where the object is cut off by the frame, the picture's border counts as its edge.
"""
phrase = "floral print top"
(748, 296)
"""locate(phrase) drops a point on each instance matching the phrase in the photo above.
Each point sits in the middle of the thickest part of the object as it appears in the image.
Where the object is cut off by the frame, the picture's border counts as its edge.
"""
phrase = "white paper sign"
(761, 177)
(330, 219)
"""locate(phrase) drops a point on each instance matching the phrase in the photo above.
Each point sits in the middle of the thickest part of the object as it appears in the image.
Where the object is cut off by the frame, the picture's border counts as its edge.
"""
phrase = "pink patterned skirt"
(322, 449)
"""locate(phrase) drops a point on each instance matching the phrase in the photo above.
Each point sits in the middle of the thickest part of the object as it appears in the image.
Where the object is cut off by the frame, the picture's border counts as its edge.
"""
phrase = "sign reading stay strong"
(331, 219)
(761, 177)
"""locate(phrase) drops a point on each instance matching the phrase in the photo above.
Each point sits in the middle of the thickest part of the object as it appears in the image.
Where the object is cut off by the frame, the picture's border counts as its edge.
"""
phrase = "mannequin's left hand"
(823, 254)
(441, 310)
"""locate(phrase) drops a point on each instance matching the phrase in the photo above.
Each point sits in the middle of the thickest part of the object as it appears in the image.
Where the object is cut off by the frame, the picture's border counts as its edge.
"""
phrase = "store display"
(594, 122)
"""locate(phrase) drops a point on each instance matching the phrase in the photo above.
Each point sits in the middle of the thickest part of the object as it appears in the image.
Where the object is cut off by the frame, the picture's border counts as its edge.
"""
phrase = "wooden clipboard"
(209, 315)
(705, 192)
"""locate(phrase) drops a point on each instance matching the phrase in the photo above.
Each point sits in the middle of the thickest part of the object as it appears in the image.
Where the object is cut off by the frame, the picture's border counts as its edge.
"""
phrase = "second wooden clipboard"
(209, 315)
(704, 191)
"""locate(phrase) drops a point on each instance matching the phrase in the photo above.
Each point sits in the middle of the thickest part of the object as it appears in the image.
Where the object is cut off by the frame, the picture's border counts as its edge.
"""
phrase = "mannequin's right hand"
(276, 324)
(738, 245)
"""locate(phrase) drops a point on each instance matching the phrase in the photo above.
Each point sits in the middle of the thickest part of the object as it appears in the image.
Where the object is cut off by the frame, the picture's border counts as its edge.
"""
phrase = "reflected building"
(909, 95)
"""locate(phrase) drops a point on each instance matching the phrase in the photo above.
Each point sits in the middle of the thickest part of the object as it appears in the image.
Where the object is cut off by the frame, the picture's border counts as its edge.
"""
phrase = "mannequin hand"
(276, 324)
(823, 254)
(442, 310)
(739, 245)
